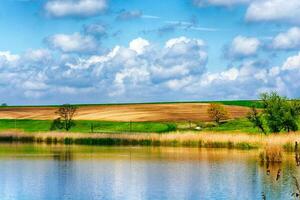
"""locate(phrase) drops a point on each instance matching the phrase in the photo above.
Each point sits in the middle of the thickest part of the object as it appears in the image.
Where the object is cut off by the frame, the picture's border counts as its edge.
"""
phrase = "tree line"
(275, 114)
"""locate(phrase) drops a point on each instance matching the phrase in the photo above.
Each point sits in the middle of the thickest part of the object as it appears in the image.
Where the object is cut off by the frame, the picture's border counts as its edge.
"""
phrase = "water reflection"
(108, 173)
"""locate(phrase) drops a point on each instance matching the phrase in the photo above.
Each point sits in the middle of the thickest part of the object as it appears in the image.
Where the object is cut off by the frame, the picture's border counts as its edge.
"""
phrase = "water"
(41, 172)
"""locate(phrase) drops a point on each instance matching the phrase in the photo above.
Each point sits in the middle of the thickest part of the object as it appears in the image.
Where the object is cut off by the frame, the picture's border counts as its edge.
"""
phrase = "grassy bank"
(87, 126)
(187, 139)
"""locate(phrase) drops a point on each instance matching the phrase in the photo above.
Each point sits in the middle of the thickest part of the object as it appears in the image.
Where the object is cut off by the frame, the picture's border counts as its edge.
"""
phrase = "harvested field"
(130, 112)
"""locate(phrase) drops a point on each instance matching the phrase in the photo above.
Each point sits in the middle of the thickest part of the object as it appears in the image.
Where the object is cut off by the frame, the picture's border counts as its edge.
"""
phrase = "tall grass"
(187, 138)
(271, 154)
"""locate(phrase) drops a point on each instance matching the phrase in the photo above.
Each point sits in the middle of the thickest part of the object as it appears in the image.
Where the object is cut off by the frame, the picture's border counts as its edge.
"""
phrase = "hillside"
(130, 112)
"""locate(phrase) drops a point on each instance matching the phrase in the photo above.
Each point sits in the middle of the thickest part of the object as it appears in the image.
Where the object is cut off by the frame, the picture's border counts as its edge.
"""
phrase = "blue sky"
(94, 51)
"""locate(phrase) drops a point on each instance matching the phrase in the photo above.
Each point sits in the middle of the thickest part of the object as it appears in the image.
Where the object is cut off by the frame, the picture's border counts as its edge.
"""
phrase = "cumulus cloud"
(289, 40)
(140, 71)
(274, 10)
(292, 63)
(139, 45)
(72, 43)
(220, 2)
(242, 47)
(77, 8)
(8, 56)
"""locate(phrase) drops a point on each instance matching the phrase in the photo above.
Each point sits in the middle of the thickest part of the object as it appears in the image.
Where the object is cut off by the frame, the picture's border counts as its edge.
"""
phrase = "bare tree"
(65, 121)
(217, 112)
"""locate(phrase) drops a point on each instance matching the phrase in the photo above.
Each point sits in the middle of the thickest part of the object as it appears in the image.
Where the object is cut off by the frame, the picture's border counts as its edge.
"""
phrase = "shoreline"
(174, 139)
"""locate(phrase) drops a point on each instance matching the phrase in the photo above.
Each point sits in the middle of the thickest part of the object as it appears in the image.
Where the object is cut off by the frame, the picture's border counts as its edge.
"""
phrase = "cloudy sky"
(107, 51)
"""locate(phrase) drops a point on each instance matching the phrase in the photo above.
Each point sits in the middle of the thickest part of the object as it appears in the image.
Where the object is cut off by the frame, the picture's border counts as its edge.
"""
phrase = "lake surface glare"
(56, 172)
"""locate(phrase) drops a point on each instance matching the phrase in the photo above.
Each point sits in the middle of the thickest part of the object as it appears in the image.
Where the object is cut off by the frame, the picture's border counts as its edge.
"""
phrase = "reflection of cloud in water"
(163, 176)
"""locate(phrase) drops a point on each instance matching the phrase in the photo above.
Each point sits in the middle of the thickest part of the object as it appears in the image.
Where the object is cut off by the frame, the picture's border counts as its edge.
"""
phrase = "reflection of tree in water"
(63, 155)
(65, 171)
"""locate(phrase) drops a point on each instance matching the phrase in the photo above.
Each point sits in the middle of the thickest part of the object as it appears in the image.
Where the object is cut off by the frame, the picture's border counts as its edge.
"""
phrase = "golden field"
(131, 112)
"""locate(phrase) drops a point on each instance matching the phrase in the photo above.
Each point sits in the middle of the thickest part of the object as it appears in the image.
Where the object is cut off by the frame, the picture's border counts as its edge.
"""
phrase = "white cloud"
(287, 41)
(9, 56)
(72, 43)
(220, 2)
(139, 45)
(38, 55)
(242, 47)
(176, 70)
(274, 10)
(292, 62)
(77, 8)
(183, 41)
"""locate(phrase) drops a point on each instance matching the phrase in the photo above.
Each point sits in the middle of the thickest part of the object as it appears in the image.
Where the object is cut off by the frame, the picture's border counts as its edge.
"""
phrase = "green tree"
(256, 119)
(217, 112)
(280, 113)
(291, 116)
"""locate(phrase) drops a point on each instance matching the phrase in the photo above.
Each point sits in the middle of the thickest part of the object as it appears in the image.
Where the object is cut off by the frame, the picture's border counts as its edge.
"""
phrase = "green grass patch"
(241, 125)
(86, 126)
(245, 103)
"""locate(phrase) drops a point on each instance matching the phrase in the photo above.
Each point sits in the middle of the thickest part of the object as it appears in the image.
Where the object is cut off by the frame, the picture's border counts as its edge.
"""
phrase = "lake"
(43, 172)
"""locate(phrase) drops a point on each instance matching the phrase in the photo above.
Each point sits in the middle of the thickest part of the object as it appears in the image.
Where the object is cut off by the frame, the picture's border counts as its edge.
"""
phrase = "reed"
(178, 138)
(271, 154)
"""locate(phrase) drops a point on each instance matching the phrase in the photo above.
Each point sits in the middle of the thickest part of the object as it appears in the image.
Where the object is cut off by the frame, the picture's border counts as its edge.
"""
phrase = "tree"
(291, 116)
(65, 121)
(274, 110)
(217, 112)
(256, 119)
(280, 112)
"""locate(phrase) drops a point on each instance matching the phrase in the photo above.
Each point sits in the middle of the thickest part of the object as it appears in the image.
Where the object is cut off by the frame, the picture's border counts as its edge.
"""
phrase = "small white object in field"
(198, 128)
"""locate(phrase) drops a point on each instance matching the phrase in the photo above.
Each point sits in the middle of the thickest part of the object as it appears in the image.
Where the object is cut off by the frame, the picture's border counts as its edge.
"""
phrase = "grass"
(271, 154)
(186, 139)
(83, 126)
(240, 125)
(235, 125)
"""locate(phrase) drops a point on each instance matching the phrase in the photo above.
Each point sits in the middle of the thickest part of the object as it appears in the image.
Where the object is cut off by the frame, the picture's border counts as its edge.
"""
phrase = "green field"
(246, 103)
(27, 125)
(86, 126)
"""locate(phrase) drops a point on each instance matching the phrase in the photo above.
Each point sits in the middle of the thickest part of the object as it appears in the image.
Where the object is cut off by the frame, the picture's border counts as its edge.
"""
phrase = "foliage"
(280, 112)
(256, 119)
(217, 112)
(65, 121)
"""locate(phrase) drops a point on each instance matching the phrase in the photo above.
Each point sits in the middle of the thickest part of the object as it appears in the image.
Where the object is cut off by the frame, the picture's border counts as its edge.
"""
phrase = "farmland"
(158, 112)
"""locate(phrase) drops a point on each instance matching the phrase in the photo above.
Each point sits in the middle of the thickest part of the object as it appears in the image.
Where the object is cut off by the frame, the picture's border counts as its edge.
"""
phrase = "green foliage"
(256, 119)
(280, 113)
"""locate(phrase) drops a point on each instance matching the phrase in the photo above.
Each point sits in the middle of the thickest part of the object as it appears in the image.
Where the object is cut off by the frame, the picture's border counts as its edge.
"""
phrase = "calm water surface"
(41, 172)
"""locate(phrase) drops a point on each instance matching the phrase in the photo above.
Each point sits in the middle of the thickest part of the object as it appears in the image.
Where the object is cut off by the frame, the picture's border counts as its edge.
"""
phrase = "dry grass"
(203, 139)
(131, 112)
(271, 154)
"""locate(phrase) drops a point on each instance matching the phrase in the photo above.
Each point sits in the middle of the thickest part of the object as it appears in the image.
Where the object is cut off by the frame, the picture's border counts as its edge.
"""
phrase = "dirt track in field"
(134, 112)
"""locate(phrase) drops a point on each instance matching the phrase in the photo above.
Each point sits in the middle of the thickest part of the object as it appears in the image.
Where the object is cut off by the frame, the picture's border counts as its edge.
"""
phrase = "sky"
(117, 51)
